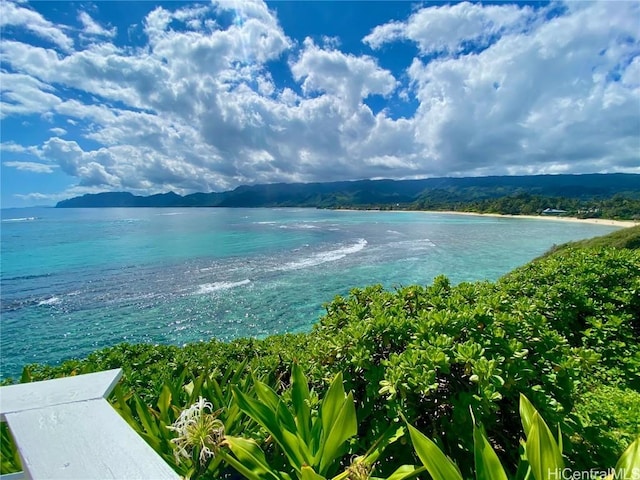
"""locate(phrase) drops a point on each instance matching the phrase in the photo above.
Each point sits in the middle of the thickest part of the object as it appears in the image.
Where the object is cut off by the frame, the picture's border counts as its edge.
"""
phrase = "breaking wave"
(324, 257)
(217, 286)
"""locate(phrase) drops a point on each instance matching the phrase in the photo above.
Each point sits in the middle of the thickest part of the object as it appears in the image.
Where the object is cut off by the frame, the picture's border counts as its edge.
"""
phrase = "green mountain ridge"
(367, 193)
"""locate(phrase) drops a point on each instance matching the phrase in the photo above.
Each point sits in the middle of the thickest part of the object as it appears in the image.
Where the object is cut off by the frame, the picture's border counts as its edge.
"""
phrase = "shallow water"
(74, 280)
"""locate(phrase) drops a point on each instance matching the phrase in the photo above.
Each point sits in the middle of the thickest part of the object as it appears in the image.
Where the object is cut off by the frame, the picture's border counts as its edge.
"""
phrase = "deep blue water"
(74, 280)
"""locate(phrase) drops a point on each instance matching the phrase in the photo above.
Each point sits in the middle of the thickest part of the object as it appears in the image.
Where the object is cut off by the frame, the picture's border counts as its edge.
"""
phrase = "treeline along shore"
(611, 196)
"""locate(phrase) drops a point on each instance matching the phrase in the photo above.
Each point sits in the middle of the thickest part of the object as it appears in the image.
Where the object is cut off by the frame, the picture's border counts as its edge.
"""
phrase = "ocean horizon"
(77, 280)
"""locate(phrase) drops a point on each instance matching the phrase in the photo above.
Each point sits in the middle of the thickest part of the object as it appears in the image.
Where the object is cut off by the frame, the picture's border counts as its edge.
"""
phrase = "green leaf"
(488, 466)
(342, 428)
(405, 472)
(309, 474)
(251, 456)
(26, 377)
(196, 390)
(266, 416)
(164, 402)
(300, 397)
(629, 462)
(527, 411)
(392, 434)
(439, 466)
(332, 402)
(145, 418)
(543, 453)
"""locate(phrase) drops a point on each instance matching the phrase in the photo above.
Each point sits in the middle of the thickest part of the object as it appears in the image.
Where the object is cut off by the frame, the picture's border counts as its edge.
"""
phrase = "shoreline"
(595, 221)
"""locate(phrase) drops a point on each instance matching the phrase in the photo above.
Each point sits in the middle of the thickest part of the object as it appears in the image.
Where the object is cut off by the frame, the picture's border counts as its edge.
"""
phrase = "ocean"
(75, 280)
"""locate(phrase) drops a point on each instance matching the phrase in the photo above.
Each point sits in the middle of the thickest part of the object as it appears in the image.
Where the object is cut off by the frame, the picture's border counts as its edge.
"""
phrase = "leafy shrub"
(608, 419)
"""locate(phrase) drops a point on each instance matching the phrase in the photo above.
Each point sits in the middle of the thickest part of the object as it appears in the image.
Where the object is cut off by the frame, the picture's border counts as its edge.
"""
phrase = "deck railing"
(65, 428)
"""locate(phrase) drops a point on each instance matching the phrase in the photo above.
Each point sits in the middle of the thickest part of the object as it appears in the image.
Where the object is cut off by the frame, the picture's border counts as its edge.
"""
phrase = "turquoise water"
(74, 280)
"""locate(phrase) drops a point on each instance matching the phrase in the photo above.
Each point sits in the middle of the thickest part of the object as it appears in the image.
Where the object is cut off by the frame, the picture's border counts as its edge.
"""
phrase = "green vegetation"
(628, 238)
(563, 331)
(619, 207)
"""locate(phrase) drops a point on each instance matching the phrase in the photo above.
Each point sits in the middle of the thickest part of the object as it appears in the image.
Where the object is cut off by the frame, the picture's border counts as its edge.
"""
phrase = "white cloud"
(347, 77)
(197, 109)
(17, 16)
(93, 28)
(30, 166)
(534, 101)
(387, 33)
(449, 27)
(25, 95)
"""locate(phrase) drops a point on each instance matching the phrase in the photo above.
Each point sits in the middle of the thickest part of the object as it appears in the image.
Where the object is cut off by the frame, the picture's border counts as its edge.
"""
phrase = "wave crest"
(206, 288)
(324, 257)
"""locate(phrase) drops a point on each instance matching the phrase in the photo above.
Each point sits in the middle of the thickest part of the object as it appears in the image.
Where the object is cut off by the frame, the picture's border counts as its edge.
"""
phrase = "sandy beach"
(597, 221)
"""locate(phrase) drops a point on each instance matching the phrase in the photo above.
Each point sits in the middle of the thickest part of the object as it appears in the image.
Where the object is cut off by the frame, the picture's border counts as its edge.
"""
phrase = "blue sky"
(152, 97)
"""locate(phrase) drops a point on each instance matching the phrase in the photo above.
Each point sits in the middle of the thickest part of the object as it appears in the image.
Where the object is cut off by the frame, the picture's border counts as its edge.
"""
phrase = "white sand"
(598, 221)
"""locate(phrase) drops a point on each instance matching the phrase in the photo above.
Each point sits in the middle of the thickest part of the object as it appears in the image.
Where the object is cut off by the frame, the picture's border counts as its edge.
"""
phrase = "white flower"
(198, 429)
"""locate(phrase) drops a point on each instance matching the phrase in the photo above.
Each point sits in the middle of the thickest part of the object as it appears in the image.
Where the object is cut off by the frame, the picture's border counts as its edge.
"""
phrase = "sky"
(150, 97)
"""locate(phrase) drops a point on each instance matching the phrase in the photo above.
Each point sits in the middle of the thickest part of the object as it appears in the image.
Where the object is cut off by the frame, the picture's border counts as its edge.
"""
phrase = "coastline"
(596, 221)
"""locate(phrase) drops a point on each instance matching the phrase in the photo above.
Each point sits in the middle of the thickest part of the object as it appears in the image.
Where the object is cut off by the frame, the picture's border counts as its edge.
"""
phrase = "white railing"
(65, 428)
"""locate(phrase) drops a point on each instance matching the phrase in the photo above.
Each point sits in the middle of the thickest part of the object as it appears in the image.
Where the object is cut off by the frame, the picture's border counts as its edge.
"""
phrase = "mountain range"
(377, 193)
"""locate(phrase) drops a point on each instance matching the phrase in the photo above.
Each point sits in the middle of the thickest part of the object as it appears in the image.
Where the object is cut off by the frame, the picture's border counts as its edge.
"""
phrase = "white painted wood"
(27, 396)
(65, 428)
(14, 476)
(83, 440)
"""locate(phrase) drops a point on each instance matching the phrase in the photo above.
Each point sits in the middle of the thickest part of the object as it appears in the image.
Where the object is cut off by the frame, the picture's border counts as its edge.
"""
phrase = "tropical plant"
(541, 457)
(165, 426)
(312, 441)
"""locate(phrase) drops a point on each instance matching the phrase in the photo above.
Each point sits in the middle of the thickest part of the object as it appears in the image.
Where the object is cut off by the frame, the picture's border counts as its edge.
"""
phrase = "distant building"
(553, 211)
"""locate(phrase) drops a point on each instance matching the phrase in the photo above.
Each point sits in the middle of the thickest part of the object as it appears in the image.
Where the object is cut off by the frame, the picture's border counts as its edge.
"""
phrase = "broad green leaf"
(406, 472)
(266, 417)
(189, 389)
(251, 456)
(527, 411)
(123, 407)
(267, 395)
(216, 388)
(343, 427)
(26, 377)
(237, 373)
(332, 403)
(629, 461)
(145, 418)
(196, 391)
(488, 466)
(244, 470)
(164, 402)
(392, 434)
(300, 398)
(439, 466)
(542, 450)
(308, 474)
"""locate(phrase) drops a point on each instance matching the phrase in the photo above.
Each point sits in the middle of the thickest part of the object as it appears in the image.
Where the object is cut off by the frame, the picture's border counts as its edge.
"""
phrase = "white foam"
(217, 286)
(324, 257)
(49, 301)
(395, 232)
(23, 219)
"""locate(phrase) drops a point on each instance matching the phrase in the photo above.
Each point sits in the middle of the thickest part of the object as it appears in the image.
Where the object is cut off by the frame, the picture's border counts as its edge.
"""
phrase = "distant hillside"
(430, 192)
